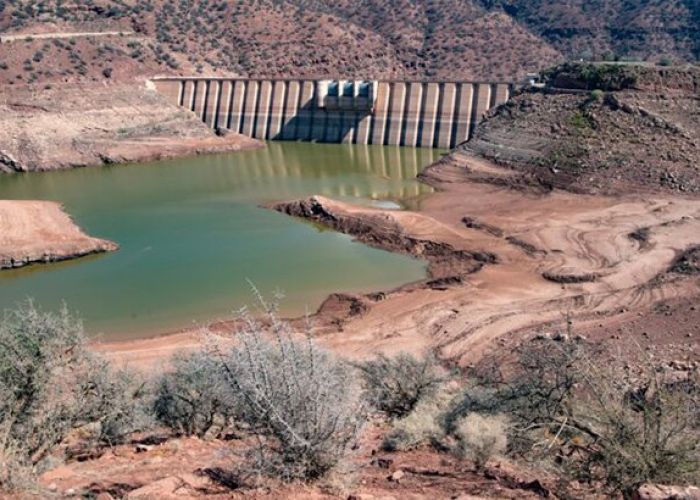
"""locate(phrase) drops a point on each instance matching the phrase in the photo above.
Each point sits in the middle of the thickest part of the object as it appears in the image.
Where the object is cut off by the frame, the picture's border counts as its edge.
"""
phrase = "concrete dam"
(418, 114)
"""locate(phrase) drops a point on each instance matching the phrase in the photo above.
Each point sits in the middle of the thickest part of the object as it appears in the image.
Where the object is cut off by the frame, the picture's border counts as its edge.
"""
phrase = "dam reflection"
(358, 171)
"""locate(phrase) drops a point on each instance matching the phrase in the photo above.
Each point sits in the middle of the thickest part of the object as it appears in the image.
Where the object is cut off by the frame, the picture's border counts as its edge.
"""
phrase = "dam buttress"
(418, 114)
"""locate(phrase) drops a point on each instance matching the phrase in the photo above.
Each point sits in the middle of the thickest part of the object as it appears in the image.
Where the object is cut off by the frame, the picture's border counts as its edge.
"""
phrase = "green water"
(191, 233)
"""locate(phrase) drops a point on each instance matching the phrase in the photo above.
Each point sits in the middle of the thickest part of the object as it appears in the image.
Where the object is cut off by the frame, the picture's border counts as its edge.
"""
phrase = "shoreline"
(533, 251)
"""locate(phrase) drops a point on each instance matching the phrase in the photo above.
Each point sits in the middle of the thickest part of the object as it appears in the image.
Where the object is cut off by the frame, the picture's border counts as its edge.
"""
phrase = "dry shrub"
(592, 422)
(191, 398)
(300, 402)
(632, 429)
(396, 385)
(422, 426)
(480, 437)
(49, 385)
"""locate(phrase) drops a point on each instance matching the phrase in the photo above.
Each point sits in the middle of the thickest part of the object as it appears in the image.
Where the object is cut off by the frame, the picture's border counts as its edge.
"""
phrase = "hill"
(461, 39)
(639, 29)
(605, 128)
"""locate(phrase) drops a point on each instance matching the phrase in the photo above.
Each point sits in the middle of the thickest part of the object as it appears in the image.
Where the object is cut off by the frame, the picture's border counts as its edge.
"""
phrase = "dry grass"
(482, 437)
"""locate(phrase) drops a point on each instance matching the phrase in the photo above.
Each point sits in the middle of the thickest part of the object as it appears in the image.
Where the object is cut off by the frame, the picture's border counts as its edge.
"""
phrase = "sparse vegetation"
(190, 398)
(589, 76)
(581, 121)
(302, 406)
(481, 437)
(597, 425)
(396, 385)
(423, 425)
(300, 400)
(49, 385)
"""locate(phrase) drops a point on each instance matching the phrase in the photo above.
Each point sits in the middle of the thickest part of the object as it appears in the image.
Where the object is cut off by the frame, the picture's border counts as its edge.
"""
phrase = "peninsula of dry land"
(40, 231)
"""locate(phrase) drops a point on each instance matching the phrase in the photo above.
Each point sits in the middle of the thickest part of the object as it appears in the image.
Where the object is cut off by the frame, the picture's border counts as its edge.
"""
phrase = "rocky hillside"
(82, 125)
(469, 39)
(601, 129)
(640, 29)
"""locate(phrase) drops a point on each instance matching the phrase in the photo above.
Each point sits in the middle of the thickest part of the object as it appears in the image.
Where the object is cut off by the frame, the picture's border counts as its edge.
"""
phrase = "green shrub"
(597, 95)
(581, 121)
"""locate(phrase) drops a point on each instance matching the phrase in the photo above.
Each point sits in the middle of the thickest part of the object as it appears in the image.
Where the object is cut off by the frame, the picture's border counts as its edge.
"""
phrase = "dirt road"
(50, 36)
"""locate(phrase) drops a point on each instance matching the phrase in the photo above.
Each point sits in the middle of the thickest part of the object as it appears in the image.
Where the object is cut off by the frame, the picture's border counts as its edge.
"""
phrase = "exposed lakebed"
(191, 233)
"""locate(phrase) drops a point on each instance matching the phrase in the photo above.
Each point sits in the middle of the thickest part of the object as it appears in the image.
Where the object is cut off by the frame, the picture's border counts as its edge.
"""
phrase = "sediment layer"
(75, 126)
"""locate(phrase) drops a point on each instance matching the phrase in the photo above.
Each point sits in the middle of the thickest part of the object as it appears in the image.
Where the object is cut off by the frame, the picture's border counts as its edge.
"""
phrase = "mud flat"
(39, 232)
(502, 260)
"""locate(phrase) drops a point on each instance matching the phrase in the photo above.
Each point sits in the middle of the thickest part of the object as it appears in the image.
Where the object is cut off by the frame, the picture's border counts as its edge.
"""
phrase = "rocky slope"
(464, 39)
(79, 125)
(643, 29)
(601, 129)
(39, 231)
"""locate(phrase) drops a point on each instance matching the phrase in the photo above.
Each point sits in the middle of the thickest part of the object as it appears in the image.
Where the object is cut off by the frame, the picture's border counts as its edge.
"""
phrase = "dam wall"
(418, 114)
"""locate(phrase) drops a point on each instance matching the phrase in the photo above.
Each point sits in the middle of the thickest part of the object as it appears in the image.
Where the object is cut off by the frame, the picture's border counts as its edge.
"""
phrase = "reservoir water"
(191, 233)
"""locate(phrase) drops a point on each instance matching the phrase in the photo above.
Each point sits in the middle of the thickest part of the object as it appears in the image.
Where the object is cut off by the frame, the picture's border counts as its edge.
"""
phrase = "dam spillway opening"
(392, 113)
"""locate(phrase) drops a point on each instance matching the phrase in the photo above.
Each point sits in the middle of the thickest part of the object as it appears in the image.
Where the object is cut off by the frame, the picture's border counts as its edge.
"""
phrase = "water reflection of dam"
(425, 114)
(277, 168)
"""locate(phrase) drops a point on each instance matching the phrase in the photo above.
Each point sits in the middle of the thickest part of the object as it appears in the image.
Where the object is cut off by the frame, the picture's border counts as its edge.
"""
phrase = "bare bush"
(480, 437)
(300, 402)
(540, 382)
(190, 398)
(113, 401)
(632, 429)
(596, 424)
(50, 384)
(422, 426)
(396, 385)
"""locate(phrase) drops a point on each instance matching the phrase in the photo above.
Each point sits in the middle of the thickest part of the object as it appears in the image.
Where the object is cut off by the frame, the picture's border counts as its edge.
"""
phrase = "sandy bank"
(548, 254)
(40, 231)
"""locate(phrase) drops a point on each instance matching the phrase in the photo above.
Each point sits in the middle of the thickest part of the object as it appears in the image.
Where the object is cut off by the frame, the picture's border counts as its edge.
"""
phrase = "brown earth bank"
(80, 125)
(194, 468)
(603, 129)
(40, 231)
